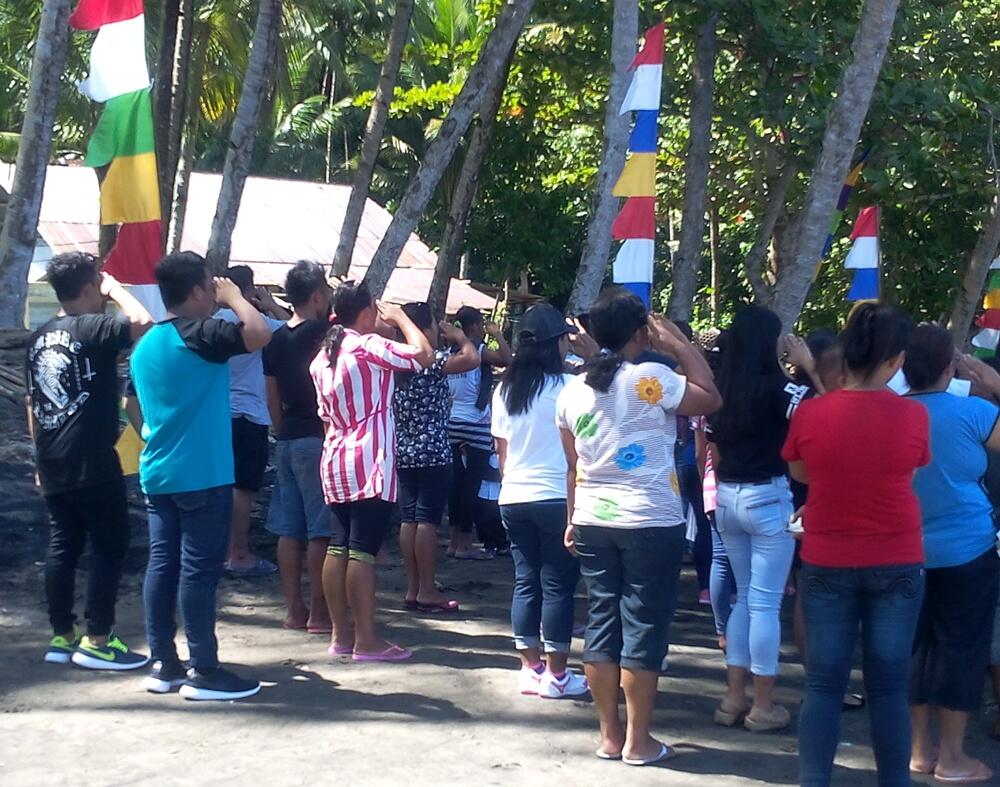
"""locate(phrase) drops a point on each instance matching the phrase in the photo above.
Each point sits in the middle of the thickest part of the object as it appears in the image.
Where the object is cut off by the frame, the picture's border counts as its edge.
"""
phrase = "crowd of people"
(852, 471)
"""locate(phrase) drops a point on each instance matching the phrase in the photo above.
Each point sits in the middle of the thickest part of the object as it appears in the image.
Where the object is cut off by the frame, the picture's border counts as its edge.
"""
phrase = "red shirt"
(860, 449)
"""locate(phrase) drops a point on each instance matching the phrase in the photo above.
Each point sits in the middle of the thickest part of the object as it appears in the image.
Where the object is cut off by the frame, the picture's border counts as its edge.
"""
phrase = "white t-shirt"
(536, 464)
(464, 388)
(247, 392)
(625, 439)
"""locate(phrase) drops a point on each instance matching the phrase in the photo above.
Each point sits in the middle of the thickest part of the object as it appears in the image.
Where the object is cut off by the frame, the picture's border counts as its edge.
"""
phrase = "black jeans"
(98, 514)
(951, 649)
(467, 477)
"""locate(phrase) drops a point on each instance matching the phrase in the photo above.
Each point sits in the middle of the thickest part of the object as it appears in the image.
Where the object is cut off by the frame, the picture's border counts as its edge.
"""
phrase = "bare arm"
(139, 319)
(569, 448)
(392, 315)
(265, 301)
(797, 469)
(134, 413)
(500, 445)
(466, 358)
(502, 356)
(273, 402)
(701, 397)
(256, 333)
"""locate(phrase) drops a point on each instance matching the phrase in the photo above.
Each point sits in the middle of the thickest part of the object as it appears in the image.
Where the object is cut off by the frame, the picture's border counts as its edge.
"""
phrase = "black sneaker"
(218, 685)
(165, 677)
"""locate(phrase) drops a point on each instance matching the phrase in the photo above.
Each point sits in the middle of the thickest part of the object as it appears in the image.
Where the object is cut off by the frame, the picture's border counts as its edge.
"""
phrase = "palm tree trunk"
(839, 141)
(256, 85)
(487, 70)
(374, 129)
(684, 274)
(753, 262)
(182, 85)
(464, 196)
(191, 125)
(163, 95)
(597, 247)
(20, 225)
(985, 251)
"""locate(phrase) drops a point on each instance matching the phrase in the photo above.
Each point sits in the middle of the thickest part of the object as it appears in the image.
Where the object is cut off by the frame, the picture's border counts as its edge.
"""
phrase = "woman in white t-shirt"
(618, 429)
(533, 504)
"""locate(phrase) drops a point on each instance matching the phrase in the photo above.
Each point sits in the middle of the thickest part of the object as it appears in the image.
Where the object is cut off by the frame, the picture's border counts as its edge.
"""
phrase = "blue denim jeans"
(752, 521)
(631, 577)
(188, 539)
(886, 602)
(545, 575)
(298, 508)
(693, 497)
(722, 583)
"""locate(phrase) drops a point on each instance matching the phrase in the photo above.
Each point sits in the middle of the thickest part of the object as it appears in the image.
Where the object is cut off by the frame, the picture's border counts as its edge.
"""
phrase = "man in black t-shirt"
(298, 513)
(72, 382)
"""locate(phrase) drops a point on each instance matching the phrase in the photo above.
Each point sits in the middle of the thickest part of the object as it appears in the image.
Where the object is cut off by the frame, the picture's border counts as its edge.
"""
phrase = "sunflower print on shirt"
(649, 390)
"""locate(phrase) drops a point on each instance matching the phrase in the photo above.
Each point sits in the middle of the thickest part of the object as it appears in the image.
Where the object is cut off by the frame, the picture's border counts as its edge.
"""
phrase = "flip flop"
(853, 702)
(981, 774)
(665, 754)
(261, 568)
(319, 629)
(289, 627)
(443, 606)
(391, 653)
(478, 554)
(603, 755)
(408, 604)
(333, 650)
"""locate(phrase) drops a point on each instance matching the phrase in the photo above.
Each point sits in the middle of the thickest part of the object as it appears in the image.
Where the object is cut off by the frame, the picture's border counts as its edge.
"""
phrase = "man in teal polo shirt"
(186, 469)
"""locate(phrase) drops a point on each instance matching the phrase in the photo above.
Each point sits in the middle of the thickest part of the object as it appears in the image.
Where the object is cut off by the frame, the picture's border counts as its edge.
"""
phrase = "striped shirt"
(355, 403)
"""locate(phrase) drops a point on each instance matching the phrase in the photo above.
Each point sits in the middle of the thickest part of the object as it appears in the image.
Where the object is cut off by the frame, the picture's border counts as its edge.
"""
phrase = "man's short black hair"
(241, 276)
(469, 316)
(178, 274)
(69, 273)
(305, 278)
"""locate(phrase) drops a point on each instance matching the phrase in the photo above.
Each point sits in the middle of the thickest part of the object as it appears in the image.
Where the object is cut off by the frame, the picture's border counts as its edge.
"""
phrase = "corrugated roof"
(279, 223)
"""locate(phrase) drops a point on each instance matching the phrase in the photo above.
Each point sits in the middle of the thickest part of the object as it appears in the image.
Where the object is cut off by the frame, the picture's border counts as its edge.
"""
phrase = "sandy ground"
(450, 716)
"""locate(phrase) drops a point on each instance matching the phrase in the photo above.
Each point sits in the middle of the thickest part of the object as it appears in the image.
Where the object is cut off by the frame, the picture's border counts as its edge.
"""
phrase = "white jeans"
(751, 519)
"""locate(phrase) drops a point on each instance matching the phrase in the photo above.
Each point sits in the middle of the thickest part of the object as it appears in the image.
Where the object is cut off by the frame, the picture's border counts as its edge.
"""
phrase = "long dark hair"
(614, 318)
(534, 365)
(349, 300)
(751, 356)
(875, 333)
(420, 315)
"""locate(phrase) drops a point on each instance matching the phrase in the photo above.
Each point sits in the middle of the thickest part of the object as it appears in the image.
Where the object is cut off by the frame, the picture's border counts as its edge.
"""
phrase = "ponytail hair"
(349, 300)
(875, 333)
(614, 318)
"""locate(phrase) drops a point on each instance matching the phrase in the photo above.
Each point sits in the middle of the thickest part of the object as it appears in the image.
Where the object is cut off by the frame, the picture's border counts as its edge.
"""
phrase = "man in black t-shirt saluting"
(72, 384)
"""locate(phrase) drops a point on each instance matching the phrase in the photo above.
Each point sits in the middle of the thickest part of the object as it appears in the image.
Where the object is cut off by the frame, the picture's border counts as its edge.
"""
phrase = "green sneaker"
(114, 655)
(61, 649)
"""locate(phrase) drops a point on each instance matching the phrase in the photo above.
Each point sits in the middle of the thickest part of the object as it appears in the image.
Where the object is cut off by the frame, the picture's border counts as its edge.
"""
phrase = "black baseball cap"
(541, 323)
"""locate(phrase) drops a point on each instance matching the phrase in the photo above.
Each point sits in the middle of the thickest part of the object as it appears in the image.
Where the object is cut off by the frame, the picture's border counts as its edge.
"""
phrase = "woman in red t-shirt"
(862, 554)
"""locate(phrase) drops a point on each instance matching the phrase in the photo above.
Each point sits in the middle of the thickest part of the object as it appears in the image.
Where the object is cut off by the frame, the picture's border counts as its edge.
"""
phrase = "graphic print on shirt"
(58, 374)
(796, 393)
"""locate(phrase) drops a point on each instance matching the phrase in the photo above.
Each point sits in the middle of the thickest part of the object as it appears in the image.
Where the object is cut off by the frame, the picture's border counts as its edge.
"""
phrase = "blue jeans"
(693, 496)
(188, 539)
(751, 519)
(298, 508)
(545, 575)
(631, 577)
(722, 583)
(886, 602)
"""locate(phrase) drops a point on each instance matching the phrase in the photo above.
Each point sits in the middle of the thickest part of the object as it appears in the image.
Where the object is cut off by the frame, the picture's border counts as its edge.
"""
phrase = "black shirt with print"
(72, 379)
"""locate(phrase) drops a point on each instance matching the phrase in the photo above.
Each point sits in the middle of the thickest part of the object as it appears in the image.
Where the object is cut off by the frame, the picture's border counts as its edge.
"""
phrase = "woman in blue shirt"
(952, 645)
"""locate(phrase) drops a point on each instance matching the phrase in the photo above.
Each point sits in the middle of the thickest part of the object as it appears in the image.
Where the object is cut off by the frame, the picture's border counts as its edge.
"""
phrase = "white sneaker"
(527, 681)
(571, 685)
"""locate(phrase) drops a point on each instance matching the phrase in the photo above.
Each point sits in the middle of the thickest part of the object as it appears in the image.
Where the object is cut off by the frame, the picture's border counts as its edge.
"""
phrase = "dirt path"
(450, 716)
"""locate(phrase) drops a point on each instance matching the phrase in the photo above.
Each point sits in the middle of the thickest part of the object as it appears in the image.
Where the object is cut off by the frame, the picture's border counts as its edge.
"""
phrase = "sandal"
(441, 606)
(664, 754)
(391, 653)
(980, 774)
(475, 554)
(853, 702)
(729, 718)
(776, 719)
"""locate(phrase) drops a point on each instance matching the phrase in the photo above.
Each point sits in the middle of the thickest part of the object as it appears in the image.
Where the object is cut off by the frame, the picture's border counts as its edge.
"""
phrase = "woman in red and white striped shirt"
(353, 375)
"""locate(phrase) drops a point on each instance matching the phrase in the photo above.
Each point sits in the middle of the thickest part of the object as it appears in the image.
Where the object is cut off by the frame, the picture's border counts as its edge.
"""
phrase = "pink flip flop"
(443, 606)
(391, 653)
(333, 650)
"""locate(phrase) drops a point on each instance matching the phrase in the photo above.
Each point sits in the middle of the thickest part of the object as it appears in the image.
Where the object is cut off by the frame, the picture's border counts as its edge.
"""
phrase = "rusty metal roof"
(279, 223)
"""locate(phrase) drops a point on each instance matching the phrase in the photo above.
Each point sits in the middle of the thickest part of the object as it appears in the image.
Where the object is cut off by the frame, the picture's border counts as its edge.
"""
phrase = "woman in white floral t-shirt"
(626, 523)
